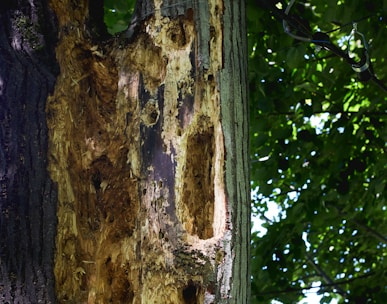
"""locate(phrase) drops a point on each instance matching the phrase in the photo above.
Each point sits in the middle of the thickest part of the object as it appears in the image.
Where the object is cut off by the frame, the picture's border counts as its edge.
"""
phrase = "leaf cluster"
(318, 150)
(117, 14)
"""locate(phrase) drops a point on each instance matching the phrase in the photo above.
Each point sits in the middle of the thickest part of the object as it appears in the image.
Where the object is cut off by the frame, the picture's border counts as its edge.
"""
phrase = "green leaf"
(295, 56)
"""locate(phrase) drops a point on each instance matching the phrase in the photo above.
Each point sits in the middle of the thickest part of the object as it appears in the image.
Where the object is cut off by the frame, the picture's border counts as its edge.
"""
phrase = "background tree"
(318, 151)
(27, 194)
(145, 138)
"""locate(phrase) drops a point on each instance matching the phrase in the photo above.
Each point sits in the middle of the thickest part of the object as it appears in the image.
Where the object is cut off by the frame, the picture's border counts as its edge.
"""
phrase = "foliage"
(118, 14)
(318, 138)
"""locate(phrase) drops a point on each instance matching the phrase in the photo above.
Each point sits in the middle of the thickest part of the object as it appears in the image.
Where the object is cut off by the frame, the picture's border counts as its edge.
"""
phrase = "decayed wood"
(139, 152)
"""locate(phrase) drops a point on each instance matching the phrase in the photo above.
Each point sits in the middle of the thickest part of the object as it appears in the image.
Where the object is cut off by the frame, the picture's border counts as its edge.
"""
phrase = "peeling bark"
(148, 147)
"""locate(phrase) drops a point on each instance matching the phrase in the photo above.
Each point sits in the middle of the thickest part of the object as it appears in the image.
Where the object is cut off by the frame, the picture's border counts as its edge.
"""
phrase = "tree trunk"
(27, 195)
(148, 147)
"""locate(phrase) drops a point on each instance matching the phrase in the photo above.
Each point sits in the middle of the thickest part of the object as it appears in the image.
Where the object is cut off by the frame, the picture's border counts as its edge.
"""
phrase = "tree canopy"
(318, 146)
(318, 149)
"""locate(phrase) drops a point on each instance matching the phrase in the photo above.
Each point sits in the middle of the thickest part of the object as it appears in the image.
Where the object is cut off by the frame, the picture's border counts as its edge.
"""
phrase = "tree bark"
(148, 147)
(27, 194)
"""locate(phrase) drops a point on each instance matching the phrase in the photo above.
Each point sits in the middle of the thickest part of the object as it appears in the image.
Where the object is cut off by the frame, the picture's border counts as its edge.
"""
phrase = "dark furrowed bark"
(27, 195)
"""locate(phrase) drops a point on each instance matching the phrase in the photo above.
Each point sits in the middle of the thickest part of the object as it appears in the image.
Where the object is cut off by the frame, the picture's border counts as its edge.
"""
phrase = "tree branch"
(371, 113)
(325, 276)
(322, 286)
(370, 231)
(364, 227)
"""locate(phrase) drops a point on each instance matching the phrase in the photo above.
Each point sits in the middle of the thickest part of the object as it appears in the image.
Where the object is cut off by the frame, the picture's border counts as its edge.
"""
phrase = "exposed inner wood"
(136, 147)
